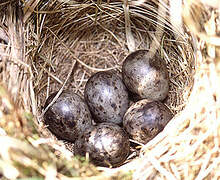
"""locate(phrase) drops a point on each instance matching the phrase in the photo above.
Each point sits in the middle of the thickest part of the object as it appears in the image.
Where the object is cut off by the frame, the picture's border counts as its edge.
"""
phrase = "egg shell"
(145, 119)
(145, 76)
(68, 117)
(107, 144)
(107, 97)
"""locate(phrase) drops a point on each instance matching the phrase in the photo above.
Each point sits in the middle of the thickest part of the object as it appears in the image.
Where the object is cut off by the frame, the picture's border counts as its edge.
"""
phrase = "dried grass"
(64, 42)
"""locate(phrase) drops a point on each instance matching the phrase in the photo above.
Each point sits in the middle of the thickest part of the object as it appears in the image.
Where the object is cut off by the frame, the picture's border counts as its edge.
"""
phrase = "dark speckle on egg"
(146, 76)
(68, 117)
(107, 97)
(107, 144)
(145, 119)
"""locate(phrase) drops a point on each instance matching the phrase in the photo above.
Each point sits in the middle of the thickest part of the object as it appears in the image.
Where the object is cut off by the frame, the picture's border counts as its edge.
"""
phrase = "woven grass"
(55, 45)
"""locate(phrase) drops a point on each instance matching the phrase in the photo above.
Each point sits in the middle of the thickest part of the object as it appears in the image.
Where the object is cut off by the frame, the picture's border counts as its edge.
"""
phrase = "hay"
(64, 42)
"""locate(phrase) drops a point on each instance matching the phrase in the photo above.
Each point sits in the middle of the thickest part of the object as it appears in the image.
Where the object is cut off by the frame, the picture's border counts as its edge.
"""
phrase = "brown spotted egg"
(68, 117)
(145, 119)
(107, 97)
(146, 76)
(106, 143)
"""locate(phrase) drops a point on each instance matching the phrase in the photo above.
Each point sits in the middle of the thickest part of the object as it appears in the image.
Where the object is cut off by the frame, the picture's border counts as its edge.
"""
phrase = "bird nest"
(49, 46)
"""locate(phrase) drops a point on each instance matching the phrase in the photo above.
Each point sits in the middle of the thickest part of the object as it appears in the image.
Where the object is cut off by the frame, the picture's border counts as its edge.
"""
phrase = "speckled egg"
(146, 76)
(68, 117)
(145, 119)
(107, 97)
(107, 144)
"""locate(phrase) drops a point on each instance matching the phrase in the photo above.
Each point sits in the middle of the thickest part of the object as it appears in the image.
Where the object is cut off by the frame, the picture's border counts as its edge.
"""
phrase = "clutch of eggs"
(107, 101)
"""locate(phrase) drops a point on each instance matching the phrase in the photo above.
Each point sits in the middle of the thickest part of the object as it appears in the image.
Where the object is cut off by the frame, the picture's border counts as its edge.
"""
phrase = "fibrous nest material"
(55, 45)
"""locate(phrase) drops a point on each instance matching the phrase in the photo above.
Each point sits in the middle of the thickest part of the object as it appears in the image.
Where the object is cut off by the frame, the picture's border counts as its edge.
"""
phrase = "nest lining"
(100, 44)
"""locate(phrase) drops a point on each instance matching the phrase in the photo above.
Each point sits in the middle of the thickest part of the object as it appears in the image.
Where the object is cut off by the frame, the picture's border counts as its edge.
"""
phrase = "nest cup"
(82, 38)
(66, 42)
(87, 37)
